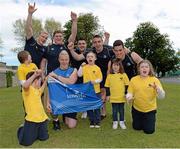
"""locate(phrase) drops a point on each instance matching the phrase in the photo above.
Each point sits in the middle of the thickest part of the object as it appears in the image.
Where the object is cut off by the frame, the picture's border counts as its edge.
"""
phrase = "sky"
(118, 17)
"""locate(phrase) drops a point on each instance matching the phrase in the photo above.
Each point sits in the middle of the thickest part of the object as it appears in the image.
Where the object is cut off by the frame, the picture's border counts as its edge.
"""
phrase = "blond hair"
(151, 71)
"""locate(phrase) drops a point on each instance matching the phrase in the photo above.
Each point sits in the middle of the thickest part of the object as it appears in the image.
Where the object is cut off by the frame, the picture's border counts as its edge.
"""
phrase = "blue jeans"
(118, 108)
(94, 115)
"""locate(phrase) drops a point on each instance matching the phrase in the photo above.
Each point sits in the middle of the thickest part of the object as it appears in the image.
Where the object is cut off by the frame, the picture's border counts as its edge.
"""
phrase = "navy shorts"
(31, 132)
(71, 115)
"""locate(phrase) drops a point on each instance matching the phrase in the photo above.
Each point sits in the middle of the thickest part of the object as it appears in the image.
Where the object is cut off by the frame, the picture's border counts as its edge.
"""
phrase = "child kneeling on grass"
(35, 125)
(143, 90)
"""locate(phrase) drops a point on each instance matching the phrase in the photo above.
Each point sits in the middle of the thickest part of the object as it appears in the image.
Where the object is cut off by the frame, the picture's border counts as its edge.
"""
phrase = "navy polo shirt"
(52, 55)
(36, 51)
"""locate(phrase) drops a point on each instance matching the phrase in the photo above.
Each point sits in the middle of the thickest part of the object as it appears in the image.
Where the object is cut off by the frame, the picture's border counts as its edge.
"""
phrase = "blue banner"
(72, 98)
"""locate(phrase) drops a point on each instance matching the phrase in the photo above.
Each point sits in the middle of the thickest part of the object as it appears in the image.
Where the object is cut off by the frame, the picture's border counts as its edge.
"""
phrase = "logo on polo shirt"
(52, 49)
(128, 64)
(104, 56)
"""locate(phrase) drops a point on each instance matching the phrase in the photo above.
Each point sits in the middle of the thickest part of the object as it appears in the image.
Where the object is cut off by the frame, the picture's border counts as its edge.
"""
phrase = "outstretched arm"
(136, 57)
(29, 30)
(72, 37)
(77, 57)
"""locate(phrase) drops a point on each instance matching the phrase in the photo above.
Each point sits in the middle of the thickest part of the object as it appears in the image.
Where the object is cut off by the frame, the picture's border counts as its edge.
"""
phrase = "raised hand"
(106, 35)
(73, 16)
(31, 8)
(153, 86)
(71, 46)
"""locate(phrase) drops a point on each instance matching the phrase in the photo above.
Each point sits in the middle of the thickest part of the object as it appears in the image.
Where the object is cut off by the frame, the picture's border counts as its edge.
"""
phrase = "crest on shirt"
(128, 64)
(104, 56)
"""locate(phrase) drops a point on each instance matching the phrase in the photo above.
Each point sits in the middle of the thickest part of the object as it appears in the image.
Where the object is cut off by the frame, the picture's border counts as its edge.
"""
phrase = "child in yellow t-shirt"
(35, 125)
(25, 67)
(117, 82)
(92, 73)
(143, 90)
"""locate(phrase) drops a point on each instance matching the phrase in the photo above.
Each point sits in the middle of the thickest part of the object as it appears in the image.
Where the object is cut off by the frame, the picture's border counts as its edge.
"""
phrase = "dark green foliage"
(150, 44)
(88, 26)
(9, 75)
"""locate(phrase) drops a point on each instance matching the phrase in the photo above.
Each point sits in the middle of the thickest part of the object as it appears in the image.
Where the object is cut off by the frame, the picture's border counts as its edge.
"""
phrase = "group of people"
(117, 75)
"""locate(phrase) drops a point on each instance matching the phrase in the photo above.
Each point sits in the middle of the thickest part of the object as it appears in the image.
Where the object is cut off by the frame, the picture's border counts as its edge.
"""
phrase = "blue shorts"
(31, 132)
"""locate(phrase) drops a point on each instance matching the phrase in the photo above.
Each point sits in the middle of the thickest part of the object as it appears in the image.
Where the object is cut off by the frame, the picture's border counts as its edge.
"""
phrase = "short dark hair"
(118, 43)
(23, 56)
(97, 36)
(56, 32)
(81, 39)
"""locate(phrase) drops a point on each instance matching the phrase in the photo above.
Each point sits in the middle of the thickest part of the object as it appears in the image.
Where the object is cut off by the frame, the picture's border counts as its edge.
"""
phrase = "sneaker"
(84, 115)
(103, 117)
(56, 125)
(97, 125)
(91, 125)
(115, 125)
(122, 125)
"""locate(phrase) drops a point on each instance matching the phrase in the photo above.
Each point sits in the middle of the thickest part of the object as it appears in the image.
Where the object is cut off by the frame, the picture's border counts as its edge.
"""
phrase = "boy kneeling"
(35, 125)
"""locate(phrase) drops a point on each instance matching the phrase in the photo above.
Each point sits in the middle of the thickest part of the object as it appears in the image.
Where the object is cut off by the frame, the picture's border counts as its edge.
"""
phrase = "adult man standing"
(104, 54)
(53, 50)
(36, 47)
(51, 60)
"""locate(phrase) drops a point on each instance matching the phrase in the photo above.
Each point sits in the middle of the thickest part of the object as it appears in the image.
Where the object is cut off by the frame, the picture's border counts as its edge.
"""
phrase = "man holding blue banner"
(66, 75)
(68, 98)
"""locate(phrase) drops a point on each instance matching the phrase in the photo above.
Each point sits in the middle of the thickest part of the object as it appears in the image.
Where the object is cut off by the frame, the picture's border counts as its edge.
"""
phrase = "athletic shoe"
(84, 115)
(91, 125)
(122, 125)
(115, 125)
(97, 125)
(56, 125)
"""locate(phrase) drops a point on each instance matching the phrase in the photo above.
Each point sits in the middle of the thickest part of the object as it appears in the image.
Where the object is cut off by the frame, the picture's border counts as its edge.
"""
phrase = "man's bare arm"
(29, 30)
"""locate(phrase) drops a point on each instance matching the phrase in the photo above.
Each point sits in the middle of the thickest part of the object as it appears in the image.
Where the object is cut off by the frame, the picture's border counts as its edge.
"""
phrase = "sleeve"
(31, 41)
(35, 67)
(160, 91)
(45, 55)
(130, 88)
(20, 74)
(99, 75)
(107, 83)
(126, 80)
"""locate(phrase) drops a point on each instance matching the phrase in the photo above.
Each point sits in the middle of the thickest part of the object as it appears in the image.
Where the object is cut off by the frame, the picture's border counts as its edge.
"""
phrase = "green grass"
(167, 126)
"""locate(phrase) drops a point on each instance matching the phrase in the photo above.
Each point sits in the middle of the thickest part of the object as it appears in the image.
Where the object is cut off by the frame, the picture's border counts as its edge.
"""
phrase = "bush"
(9, 80)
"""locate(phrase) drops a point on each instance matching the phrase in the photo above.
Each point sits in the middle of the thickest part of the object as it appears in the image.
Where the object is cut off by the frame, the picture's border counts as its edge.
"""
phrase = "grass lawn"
(167, 133)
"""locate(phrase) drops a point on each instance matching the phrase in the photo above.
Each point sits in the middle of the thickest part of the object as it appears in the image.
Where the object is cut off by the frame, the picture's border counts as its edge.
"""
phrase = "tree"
(148, 42)
(20, 34)
(88, 25)
(19, 29)
(51, 25)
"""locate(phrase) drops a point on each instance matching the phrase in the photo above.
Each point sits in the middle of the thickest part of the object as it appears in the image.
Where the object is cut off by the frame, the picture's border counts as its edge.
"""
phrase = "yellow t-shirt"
(24, 69)
(92, 73)
(116, 83)
(33, 105)
(144, 94)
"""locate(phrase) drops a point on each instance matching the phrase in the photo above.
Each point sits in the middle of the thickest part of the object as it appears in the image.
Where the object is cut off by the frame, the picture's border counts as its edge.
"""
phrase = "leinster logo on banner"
(72, 98)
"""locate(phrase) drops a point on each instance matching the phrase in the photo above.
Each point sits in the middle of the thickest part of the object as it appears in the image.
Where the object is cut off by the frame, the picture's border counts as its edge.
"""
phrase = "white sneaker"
(84, 115)
(115, 125)
(122, 125)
